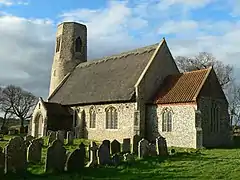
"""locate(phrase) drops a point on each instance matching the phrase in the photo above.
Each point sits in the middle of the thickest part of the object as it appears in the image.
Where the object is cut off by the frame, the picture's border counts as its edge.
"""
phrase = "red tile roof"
(181, 88)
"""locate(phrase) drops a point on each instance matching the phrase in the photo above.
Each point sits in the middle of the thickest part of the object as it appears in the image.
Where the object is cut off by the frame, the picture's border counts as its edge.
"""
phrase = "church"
(136, 92)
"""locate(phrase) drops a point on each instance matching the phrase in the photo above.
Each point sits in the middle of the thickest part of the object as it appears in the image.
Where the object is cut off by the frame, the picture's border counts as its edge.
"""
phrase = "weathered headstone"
(143, 148)
(136, 139)
(76, 160)
(128, 157)
(126, 146)
(115, 147)
(41, 141)
(60, 136)
(1, 162)
(152, 151)
(107, 143)
(56, 157)
(28, 139)
(116, 159)
(93, 155)
(70, 138)
(16, 156)
(52, 137)
(104, 155)
(161, 144)
(34, 154)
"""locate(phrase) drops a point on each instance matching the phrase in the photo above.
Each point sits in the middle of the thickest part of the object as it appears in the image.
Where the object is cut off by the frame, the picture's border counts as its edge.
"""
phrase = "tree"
(205, 60)
(233, 95)
(5, 109)
(17, 102)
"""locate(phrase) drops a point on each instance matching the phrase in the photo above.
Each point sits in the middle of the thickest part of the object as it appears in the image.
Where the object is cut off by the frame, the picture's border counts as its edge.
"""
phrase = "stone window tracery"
(111, 118)
(167, 120)
(92, 115)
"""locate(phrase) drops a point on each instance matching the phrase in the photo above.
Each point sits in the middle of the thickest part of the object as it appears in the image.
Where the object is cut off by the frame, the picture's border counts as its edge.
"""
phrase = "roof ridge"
(135, 51)
(198, 70)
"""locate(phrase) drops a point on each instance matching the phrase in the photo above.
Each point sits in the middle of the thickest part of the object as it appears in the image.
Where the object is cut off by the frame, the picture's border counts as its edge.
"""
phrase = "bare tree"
(233, 95)
(205, 60)
(17, 102)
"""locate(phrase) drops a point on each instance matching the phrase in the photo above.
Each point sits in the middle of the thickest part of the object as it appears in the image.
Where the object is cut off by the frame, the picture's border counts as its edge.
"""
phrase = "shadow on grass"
(147, 168)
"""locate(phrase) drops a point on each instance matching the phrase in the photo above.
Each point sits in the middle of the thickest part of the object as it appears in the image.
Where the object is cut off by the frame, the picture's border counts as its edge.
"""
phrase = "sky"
(28, 27)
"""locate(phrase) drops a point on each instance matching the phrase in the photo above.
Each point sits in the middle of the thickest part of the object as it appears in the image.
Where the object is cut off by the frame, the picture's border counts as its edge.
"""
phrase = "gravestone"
(107, 143)
(152, 151)
(60, 136)
(161, 144)
(16, 156)
(70, 138)
(52, 137)
(115, 147)
(76, 159)
(128, 157)
(104, 154)
(1, 162)
(116, 159)
(56, 157)
(28, 139)
(136, 139)
(93, 155)
(126, 147)
(41, 141)
(34, 154)
(143, 148)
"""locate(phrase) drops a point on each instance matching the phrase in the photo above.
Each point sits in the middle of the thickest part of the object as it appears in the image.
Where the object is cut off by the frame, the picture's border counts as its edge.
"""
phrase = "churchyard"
(54, 157)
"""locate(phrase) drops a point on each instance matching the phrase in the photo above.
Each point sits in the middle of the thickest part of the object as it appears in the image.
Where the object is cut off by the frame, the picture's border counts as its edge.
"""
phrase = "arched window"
(92, 115)
(166, 120)
(111, 118)
(78, 45)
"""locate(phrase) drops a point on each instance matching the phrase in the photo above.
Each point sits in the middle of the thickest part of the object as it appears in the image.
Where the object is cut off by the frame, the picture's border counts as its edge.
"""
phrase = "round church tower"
(70, 50)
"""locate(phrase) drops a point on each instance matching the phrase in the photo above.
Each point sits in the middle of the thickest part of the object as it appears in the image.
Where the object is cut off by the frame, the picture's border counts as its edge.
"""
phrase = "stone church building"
(136, 92)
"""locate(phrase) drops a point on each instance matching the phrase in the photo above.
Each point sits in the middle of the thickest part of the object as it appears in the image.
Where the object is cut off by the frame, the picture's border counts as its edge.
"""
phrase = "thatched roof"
(106, 80)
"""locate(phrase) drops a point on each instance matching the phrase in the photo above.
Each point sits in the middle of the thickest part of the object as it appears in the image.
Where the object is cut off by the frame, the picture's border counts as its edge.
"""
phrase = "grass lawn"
(185, 164)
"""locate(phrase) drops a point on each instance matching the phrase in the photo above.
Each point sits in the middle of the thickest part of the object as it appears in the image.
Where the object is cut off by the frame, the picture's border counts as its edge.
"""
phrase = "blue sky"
(27, 28)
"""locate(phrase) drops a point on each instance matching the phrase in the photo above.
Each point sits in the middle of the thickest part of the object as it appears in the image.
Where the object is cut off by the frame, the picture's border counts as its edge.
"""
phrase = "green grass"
(185, 164)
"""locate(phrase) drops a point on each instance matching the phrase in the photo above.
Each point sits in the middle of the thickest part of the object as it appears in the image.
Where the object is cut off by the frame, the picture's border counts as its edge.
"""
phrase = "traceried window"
(111, 118)
(214, 117)
(58, 43)
(92, 115)
(78, 45)
(166, 120)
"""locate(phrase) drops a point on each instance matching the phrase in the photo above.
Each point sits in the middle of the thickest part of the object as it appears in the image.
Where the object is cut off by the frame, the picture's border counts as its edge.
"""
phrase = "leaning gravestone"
(126, 147)
(104, 155)
(70, 138)
(16, 156)
(60, 136)
(56, 157)
(143, 148)
(28, 139)
(93, 155)
(52, 137)
(115, 147)
(1, 162)
(35, 151)
(76, 159)
(161, 146)
(136, 139)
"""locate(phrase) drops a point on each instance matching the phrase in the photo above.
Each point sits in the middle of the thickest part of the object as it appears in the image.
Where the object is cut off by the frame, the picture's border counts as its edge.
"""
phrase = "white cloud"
(13, 2)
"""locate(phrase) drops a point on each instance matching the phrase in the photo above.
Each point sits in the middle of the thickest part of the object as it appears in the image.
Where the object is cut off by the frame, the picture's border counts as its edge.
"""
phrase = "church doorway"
(38, 129)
